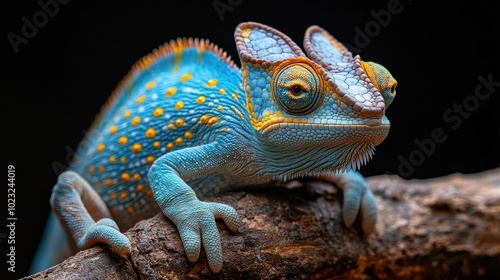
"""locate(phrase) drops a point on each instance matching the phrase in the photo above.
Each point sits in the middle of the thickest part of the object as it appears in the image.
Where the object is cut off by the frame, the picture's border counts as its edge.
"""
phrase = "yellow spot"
(122, 140)
(170, 126)
(213, 120)
(107, 182)
(211, 83)
(140, 188)
(188, 135)
(223, 129)
(235, 97)
(136, 148)
(100, 147)
(179, 122)
(112, 159)
(158, 112)
(149, 193)
(186, 77)
(130, 209)
(170, 92)
(209, 120)
(140, 99)
(123, 195)
(222, 91)
(179, 141)
(123, 160)
(150, 85)
(113, 195)
(135, 121)
(156, 144)
(137, 176)
(150, 159)
(220, 107)
(170, 146)
(125, 177)
(200, 99)
(113, 129)
(245, 32)
(150, 132)
(101, 168)
(127, 114)
(91, 169)
(179, 105)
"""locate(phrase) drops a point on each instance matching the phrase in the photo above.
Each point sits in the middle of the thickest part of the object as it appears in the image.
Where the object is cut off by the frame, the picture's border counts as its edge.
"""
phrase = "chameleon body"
(186, 122)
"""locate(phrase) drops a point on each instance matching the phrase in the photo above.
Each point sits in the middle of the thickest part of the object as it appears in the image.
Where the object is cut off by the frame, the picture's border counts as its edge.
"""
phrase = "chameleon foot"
(105, 231)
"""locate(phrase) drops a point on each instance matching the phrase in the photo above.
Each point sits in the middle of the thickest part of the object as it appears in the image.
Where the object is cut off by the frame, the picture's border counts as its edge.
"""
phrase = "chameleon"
(187, 122)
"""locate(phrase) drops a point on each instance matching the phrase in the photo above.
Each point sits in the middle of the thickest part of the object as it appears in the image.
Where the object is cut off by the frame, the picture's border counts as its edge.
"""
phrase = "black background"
(57, 82)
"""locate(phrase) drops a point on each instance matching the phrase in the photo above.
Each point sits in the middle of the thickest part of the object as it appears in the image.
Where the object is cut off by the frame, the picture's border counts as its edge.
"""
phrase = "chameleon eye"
(296, 90)
(297, 87)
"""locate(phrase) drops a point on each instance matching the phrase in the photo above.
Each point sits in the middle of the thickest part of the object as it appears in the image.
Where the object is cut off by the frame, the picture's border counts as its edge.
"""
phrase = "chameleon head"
(325, 103)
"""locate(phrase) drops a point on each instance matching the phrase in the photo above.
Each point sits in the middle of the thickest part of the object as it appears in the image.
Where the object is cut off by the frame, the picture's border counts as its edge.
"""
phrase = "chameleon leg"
(78, 206)
(358, 198)
(195, 219)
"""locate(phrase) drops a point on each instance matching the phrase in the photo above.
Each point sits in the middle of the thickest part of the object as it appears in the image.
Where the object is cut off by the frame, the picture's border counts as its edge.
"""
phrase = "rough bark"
(442, 228)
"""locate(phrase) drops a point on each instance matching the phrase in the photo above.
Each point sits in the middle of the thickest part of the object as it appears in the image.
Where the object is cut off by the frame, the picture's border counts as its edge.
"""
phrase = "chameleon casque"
(187, 122)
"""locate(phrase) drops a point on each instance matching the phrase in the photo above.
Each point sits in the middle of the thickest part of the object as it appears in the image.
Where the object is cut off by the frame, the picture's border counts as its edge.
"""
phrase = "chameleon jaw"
(327, 134)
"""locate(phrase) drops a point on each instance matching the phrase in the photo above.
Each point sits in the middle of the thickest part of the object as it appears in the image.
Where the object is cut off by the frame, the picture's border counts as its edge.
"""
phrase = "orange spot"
(137, 176)
(213, 120)
(150, 85)
(91, 169)
(139, 218)
(140, 99)
(235, 97)
(127, 114)
(149, 193)
(123, 160)
(222, 91)
(170, 92)
(170, 146)
(140, 188)
(179, 122)
(220, 107)
(150, 133)
(125, 177)
(112, 159)
(179, 105)
(136, 148)
(211, 83)
(135, 121)
(123, 195)
(100, 147)
(170, 126)
(101, 168)
(200, 99)
(156, 144)
(122, 140)
(130, 209)
(113, 129)
(188, 135)
(186, 77)
(157, 112)
(179, 141)
(150, 159)
(204, 119)
(107, 182)
(113, 195)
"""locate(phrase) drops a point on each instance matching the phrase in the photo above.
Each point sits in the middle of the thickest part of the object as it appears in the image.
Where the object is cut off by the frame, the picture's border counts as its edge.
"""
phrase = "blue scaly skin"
(187, 122)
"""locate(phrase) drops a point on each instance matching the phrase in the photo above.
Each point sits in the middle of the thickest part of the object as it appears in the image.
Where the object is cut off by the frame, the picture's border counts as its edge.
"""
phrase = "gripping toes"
(105, 231)
(196, 224)
(358, 199)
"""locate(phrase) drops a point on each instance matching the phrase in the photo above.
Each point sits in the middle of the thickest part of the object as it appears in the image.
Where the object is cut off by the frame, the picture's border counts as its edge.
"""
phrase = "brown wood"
(442, 228)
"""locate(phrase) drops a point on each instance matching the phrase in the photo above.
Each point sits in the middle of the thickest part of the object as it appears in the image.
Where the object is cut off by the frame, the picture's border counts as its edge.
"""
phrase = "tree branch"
(442, 228)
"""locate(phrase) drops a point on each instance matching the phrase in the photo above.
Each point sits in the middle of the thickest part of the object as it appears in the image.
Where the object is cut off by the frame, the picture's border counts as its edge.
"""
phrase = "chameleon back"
(181, 95)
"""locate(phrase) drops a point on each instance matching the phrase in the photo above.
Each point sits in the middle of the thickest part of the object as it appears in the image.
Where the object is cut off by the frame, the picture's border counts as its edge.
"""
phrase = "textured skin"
(187, 123)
